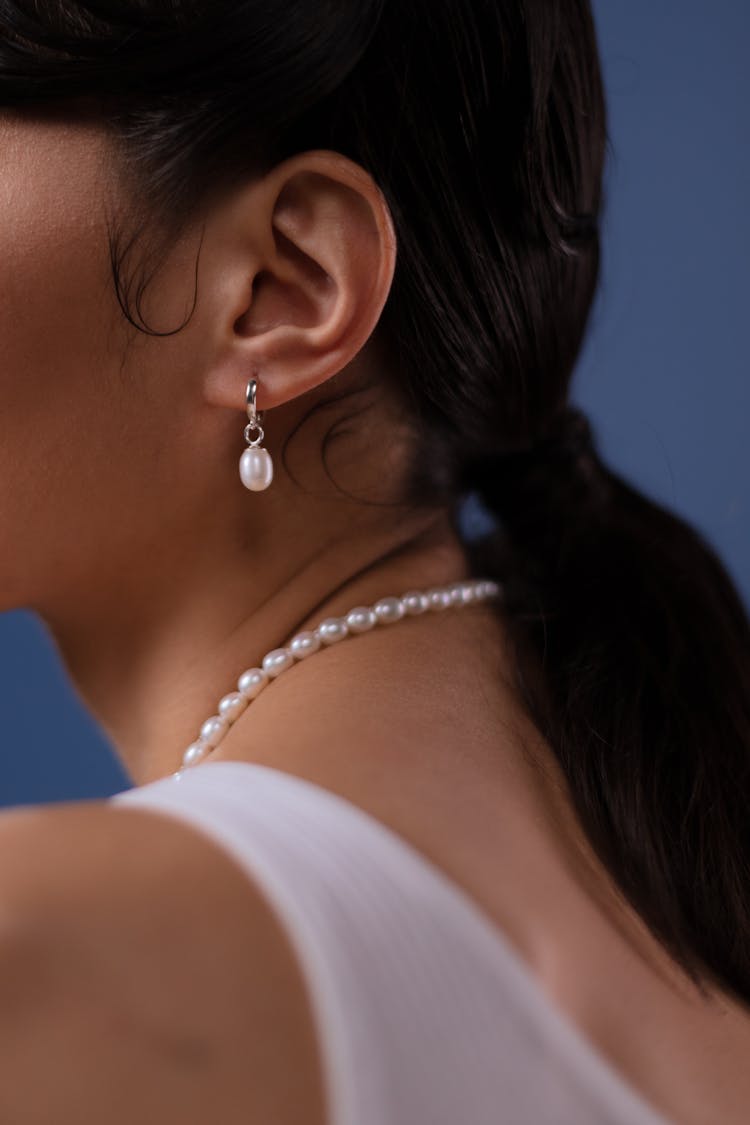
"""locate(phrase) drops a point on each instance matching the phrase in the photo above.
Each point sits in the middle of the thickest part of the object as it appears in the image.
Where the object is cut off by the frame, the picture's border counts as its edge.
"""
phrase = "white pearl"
(415, 602)
(304, 644)
(276, 661)
(439, 598)
(256, 468)
(360, 619)
(456, 593)
(213, 730)
(251, 682)
(194, 753)
(389, 609)
(332, 629)
(232, 705)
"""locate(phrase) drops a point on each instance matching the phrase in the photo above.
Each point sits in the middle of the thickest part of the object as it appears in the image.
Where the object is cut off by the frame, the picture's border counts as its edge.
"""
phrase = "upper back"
(389, 824)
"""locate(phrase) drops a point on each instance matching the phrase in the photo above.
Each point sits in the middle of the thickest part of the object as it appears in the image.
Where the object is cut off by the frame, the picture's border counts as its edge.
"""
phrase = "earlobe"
(321, 274)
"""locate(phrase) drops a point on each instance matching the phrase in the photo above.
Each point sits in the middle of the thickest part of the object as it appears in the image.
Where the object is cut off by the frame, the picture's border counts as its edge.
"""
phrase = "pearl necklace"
(329, 631)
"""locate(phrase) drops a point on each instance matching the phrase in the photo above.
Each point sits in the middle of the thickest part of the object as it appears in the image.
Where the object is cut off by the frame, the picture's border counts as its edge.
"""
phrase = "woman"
(466, 838)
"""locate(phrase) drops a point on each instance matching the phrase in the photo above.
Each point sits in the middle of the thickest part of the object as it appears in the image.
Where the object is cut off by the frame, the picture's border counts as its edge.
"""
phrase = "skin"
(161, 578)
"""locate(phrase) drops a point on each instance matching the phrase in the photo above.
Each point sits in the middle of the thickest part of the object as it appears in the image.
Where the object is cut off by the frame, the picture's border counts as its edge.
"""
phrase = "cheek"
(96, 419)
(52, 249)
(52, 270)
(61, 337)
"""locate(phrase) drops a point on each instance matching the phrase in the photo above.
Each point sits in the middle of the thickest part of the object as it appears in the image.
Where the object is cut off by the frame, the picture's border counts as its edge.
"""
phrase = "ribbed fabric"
(426, 1014)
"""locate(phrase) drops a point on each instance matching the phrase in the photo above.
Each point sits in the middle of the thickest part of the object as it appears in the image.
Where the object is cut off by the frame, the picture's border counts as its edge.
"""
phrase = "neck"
(151, 661)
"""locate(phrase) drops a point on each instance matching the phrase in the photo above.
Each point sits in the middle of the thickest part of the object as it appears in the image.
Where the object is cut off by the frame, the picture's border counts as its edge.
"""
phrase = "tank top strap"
(424, 1012)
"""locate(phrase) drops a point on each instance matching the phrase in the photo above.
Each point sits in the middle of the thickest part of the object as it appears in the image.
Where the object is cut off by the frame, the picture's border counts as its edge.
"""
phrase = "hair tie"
(570, 442)
(559, 469)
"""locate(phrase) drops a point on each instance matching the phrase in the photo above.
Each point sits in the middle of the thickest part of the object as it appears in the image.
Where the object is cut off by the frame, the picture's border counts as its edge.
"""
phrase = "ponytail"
(633, 657)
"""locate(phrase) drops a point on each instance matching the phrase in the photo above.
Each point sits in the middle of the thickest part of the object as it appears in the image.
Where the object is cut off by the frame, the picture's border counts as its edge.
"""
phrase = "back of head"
(483, 122)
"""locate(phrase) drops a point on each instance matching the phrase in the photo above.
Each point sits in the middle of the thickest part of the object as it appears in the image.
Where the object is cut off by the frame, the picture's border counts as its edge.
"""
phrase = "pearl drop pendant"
(256, 468)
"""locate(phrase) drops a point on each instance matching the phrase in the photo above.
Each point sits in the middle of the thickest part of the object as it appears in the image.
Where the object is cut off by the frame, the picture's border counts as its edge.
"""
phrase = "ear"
(299, 268)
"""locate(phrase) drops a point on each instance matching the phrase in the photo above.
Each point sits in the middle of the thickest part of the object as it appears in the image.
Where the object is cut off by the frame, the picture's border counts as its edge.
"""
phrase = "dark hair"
(483, 122)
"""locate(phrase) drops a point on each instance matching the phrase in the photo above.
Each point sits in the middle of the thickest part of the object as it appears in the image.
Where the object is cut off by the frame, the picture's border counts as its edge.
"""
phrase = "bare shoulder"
(143, 976)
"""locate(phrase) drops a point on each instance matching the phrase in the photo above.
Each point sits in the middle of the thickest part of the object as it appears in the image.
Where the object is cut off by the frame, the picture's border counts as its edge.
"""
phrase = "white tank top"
(425, 1013)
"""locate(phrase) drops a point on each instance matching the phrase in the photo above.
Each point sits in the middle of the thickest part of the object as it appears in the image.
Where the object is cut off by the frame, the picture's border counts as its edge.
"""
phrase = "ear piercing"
(256, 466)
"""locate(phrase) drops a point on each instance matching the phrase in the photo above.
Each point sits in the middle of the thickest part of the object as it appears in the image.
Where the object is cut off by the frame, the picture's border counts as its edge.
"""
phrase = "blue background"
(663, 374)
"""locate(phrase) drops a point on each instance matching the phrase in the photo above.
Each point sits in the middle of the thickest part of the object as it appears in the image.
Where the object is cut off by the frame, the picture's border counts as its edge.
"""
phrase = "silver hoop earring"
(256, 466)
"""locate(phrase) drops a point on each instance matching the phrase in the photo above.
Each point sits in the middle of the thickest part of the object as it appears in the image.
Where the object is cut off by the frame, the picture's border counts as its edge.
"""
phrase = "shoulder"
(137, 956)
